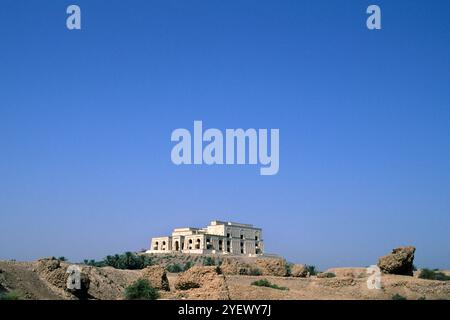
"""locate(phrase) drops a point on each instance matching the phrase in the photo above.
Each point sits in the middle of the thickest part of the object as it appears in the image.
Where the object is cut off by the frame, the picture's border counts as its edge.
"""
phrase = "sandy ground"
(338, 288)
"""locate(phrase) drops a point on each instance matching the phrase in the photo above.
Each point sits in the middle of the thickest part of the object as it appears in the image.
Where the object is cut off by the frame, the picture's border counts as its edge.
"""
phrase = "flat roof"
(230, 223)
(185, 229)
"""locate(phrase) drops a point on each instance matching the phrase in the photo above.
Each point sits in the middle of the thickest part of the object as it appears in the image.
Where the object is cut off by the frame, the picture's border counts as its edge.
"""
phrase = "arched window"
(197, 245)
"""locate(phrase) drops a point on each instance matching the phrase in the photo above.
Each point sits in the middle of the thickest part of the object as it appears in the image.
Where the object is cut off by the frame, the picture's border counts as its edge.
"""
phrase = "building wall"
(194, 242)
(216, 229)
(161, 244)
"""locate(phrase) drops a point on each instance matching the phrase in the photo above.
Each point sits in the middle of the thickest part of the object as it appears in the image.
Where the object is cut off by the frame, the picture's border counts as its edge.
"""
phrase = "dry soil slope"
(19, 277)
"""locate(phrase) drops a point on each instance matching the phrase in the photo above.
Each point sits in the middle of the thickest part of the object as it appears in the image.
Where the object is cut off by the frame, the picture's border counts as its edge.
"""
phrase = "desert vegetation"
(11, 295)
(174, 268)
(433, 275)
(141, 290)
(268, 284)
(398, 297)
(312, 270)
(127, 260)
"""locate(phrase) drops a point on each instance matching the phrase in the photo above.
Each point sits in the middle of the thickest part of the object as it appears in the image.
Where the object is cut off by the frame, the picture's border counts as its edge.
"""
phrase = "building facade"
(218, 237)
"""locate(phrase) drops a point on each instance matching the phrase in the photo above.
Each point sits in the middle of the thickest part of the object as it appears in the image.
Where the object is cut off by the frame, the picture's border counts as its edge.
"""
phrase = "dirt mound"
(157, 277)
(109, 283)
(51, 270)
(299, 270)
(19, 277)
(254, 266)
(399, 261)
(236, 266)
(96, 283)
(55, 274)
(202, 283)
(272, 266)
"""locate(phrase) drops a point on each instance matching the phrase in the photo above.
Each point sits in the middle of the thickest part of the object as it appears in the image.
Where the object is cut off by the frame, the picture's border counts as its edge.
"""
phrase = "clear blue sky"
(364, 119)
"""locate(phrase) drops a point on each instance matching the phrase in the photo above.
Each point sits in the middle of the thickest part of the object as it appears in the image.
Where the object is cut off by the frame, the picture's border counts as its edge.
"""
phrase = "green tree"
(312, 270)
(209, 261)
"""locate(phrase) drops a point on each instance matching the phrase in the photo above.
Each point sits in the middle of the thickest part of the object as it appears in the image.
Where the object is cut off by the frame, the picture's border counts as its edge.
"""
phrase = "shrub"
(141, 290)
(11, 295)
(261, 283)
(433, 275)
(312, 270)
(62, 259)
(174, 268)
(209, 261)
(398, 297)
(218, 270)
(268, 284)
(243, 271)
(288, 269)
(187, 265)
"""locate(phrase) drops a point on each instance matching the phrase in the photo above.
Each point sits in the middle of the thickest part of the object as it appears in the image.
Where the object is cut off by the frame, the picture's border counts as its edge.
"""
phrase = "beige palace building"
(218, 237)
